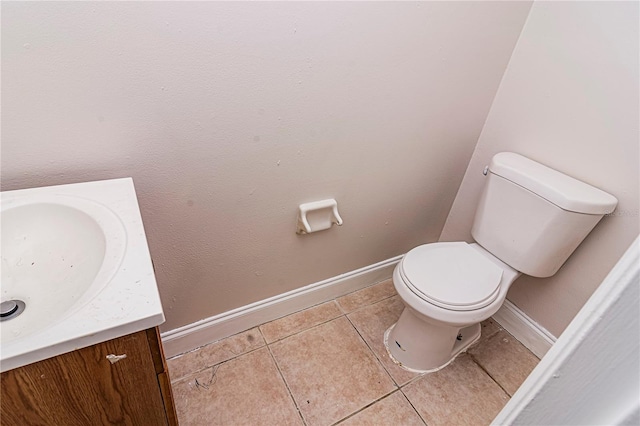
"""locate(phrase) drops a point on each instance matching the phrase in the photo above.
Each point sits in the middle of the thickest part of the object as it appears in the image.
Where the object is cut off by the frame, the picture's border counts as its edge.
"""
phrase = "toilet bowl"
(448, 289)
(529, 220)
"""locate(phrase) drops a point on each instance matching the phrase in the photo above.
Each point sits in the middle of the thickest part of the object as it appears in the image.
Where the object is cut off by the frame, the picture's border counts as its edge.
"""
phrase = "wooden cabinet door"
(84, 388)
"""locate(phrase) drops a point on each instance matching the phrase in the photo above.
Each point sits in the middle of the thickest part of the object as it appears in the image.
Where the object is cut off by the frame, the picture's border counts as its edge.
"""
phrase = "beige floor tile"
(505, 359)
(459, 394)
(247, 390)
(330, 371)
(294, 323)
(392, 410)
(366, 296)
(489, 327)
(214, 353)
(371, 322)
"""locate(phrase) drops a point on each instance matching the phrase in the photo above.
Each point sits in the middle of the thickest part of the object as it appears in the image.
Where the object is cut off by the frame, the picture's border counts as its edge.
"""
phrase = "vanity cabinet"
(96, 385)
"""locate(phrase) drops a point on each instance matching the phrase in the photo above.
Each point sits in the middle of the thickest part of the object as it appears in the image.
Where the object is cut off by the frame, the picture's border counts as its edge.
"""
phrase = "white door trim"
(592, 373)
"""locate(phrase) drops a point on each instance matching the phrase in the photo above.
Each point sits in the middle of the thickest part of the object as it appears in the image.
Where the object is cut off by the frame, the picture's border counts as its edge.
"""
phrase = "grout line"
(375, 355)
(499, 328)
(191, 373)
(359, 308)
(475, 361)
(345, 314)
(411, 403)
(397, 387)
(416, 378)
(265, 343)
(366, 406)
(294, 313)
(263, 338)
(306, 329)
(295, 404)
(366, 305)
(217, 341)
(300, 331)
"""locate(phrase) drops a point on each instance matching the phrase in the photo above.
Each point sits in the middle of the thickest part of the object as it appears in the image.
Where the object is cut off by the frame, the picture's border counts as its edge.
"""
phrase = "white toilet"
(529, 220)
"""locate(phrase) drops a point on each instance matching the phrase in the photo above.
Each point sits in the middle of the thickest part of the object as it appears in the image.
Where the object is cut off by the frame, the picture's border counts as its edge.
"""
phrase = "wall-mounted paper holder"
(317, 216)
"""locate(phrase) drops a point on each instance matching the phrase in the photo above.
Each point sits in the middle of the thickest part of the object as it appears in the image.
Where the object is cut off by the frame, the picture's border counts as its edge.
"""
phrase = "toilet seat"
(453, 276)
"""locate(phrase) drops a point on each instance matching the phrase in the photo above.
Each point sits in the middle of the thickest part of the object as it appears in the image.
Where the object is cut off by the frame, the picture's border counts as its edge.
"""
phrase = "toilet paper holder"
(317, 216)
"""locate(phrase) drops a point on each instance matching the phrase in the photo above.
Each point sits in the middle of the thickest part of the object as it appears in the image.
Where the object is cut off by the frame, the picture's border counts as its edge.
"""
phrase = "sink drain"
(11, 309)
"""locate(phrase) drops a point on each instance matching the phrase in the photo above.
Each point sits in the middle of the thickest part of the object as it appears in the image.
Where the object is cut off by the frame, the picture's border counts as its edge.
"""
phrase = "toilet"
(529, 220)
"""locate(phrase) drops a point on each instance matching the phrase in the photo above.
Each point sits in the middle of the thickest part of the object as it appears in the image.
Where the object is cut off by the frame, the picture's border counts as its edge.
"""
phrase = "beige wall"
(569, 99)
(228, 115)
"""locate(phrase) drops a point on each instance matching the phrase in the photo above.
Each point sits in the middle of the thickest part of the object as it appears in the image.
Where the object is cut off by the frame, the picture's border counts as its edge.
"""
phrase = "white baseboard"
(197, 334)
(192, 336)
(531, 334)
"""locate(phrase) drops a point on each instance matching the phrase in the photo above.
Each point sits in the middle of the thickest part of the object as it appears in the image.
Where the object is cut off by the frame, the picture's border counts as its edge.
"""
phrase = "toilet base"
(423, 347)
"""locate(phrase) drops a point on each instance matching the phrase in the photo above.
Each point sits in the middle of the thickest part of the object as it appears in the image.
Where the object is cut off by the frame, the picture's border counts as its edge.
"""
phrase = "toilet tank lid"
(556, 187)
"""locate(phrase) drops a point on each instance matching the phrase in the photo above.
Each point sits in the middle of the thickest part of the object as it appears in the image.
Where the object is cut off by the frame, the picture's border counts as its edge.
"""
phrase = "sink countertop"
(128, 303)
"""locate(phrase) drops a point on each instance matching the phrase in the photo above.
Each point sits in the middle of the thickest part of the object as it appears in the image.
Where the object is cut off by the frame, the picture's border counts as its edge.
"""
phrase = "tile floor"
(327, 365)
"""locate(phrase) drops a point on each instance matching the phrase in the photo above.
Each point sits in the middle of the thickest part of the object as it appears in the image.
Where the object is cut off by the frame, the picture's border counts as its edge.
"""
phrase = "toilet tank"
(533, 217)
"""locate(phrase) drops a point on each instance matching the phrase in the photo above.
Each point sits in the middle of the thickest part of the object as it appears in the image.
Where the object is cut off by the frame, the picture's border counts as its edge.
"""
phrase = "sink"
(58, 252)
(76, 270)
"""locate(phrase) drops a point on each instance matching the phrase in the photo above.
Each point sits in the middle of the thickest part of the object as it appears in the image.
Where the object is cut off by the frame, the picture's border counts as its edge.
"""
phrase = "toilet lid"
(453, 276)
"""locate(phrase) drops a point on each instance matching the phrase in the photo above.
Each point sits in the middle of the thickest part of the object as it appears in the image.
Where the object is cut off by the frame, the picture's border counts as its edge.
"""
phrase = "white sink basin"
(75, 267)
